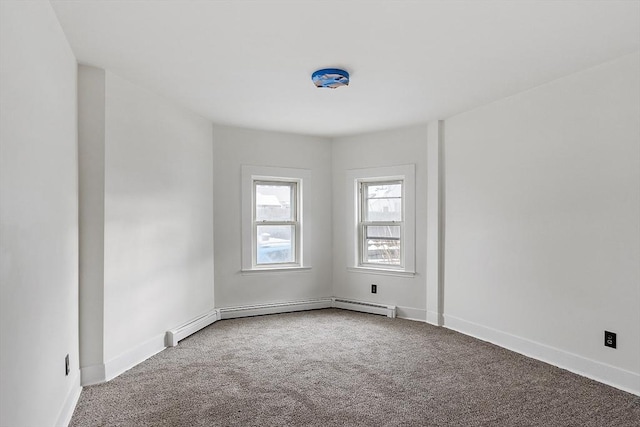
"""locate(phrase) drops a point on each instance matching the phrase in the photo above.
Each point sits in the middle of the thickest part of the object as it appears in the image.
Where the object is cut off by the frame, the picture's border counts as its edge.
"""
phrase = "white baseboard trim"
(131, 358)
(273, 308)
(94, 374)
(409, 313)
(70, 402)
(434, 318)
(97, 374)
(190, 327)
(601, 372)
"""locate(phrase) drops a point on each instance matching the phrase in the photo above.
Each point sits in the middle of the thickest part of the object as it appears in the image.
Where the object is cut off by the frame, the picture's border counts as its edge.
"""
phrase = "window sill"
(274, 270)
(384, 272)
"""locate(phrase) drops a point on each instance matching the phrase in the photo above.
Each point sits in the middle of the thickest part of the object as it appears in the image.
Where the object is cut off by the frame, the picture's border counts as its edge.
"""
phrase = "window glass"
(383, 202)
(388, 232)
(273, 201)
(275, 244)
(382, 245)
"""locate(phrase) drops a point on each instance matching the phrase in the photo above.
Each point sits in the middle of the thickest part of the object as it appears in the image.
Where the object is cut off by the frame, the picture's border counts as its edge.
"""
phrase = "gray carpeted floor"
(335, 367)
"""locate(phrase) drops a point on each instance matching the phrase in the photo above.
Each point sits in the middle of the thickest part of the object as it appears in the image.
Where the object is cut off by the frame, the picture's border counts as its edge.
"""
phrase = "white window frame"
(251, 176)
(355, 237)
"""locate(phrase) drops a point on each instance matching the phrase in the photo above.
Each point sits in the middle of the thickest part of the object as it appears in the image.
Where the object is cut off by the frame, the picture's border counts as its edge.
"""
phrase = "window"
(273, 218)
(276, 226)
(381, 202)
(381, 219)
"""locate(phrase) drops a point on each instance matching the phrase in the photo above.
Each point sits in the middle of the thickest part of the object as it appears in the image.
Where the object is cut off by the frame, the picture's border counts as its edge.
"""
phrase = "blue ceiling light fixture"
(330, 77)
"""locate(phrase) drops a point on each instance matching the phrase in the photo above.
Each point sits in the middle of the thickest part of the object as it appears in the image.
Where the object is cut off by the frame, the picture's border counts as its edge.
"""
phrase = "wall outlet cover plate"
(609, 339)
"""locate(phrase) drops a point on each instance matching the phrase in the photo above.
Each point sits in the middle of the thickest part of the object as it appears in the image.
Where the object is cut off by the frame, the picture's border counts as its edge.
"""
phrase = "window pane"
(375, 191)
(273, 202)
(382, 244)
(383, 202)
(389, 232)
(382, 251)
(384, 210)
(275, 244)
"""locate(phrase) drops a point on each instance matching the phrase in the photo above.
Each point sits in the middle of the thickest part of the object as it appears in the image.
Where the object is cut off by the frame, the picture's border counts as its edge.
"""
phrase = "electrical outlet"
(66, 365)
(609, 339)
(374, 289)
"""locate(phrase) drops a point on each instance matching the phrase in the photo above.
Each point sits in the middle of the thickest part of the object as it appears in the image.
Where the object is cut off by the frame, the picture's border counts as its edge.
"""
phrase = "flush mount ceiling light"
(330, 77)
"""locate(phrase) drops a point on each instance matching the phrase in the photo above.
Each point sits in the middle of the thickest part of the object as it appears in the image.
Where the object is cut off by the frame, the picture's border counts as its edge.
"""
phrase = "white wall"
(38, 218)
(389, 148)
(157, 219)
(234, 147)
(158, 216)
(542, 221)
(435, 223)
(91, 134)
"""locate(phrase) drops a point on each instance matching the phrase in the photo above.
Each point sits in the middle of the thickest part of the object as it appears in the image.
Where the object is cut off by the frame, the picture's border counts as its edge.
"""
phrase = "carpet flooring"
(340, 368)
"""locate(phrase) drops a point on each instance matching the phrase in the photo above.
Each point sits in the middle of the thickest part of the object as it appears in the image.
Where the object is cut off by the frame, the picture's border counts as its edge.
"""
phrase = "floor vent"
(192, 326)
(367, 307)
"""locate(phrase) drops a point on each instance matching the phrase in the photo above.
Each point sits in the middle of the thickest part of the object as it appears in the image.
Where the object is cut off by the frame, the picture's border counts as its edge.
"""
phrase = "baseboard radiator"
(190, 327)
(274, 308)
(366, 307)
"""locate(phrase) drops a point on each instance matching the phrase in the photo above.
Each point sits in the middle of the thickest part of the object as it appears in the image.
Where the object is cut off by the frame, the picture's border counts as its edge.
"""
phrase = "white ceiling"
(249, 63)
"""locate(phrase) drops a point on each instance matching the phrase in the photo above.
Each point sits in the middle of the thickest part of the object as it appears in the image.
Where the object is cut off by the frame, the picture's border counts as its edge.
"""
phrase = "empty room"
(292, 213)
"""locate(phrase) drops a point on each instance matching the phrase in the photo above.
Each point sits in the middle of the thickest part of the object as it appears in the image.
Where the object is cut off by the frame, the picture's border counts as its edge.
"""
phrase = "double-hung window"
(381, 223)
(276, 223)
(274, 204)
(381, 203)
